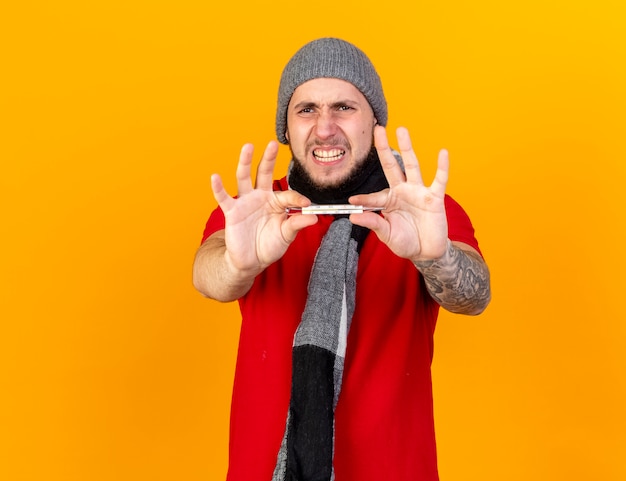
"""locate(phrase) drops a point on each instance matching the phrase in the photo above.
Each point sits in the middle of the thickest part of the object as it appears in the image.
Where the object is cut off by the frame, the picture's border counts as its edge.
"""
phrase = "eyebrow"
(309, 104)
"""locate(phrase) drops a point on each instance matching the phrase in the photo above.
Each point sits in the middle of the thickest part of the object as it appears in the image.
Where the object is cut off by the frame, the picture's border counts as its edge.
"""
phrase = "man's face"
(330, 125)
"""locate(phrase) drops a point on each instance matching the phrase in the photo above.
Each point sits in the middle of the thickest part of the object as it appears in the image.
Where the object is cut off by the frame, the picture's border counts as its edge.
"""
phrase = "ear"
(287, 135)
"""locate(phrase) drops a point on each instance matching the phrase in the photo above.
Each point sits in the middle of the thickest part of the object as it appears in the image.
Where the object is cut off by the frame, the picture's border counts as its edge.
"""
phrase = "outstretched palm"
(413, 224)
(258, 230)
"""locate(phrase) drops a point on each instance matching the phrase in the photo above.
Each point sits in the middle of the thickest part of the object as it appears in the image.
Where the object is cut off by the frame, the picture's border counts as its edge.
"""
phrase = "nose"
(325, 126)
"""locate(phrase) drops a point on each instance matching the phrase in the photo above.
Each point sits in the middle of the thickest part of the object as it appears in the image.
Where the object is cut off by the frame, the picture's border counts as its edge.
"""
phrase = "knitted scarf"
(319, 347)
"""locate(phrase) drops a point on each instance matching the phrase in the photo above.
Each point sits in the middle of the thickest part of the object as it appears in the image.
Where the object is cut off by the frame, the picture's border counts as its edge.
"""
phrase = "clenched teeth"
(328, 155)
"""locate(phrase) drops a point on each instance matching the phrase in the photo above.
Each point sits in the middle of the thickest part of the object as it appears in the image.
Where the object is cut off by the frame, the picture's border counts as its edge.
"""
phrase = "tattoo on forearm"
(458, 281)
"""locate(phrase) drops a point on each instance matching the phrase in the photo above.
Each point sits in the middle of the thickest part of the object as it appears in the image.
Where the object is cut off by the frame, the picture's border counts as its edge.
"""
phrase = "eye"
(344, 108)
(305, 110)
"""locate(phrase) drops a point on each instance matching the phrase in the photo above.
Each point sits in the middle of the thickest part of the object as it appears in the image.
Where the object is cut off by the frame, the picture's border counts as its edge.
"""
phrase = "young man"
(338, 311)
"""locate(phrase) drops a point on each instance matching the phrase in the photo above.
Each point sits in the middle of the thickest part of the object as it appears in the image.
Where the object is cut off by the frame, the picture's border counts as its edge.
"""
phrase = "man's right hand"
(258, 230)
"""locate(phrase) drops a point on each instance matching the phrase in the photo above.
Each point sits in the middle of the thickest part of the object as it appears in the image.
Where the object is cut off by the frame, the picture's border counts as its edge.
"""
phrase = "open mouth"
(328, 155)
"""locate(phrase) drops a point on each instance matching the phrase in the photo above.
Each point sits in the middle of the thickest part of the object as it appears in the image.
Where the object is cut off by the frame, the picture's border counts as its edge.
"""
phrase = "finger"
(295, 224)
(265, 171)
(390, 165)
(411, 164)
(441, 176)
(377, 199)
(219, 193)
(373, 222)
(244, 182)
(291, 198)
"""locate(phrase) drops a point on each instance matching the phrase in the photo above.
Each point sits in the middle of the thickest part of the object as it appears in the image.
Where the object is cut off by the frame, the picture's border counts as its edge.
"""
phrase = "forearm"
(212, 275)
(458, 281)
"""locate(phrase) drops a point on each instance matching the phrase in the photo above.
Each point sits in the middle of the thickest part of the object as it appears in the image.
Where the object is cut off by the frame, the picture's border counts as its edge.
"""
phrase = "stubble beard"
(359, 170)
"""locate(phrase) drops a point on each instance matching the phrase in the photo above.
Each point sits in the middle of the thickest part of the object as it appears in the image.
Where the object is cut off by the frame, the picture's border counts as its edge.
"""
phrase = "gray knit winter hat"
(329, 58)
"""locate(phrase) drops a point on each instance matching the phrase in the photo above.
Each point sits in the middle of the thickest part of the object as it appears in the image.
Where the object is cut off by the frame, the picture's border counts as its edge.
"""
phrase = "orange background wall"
(113, 116)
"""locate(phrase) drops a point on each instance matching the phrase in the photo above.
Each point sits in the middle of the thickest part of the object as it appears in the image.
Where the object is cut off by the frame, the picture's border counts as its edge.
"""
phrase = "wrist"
(444, 259)
(235, 274)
